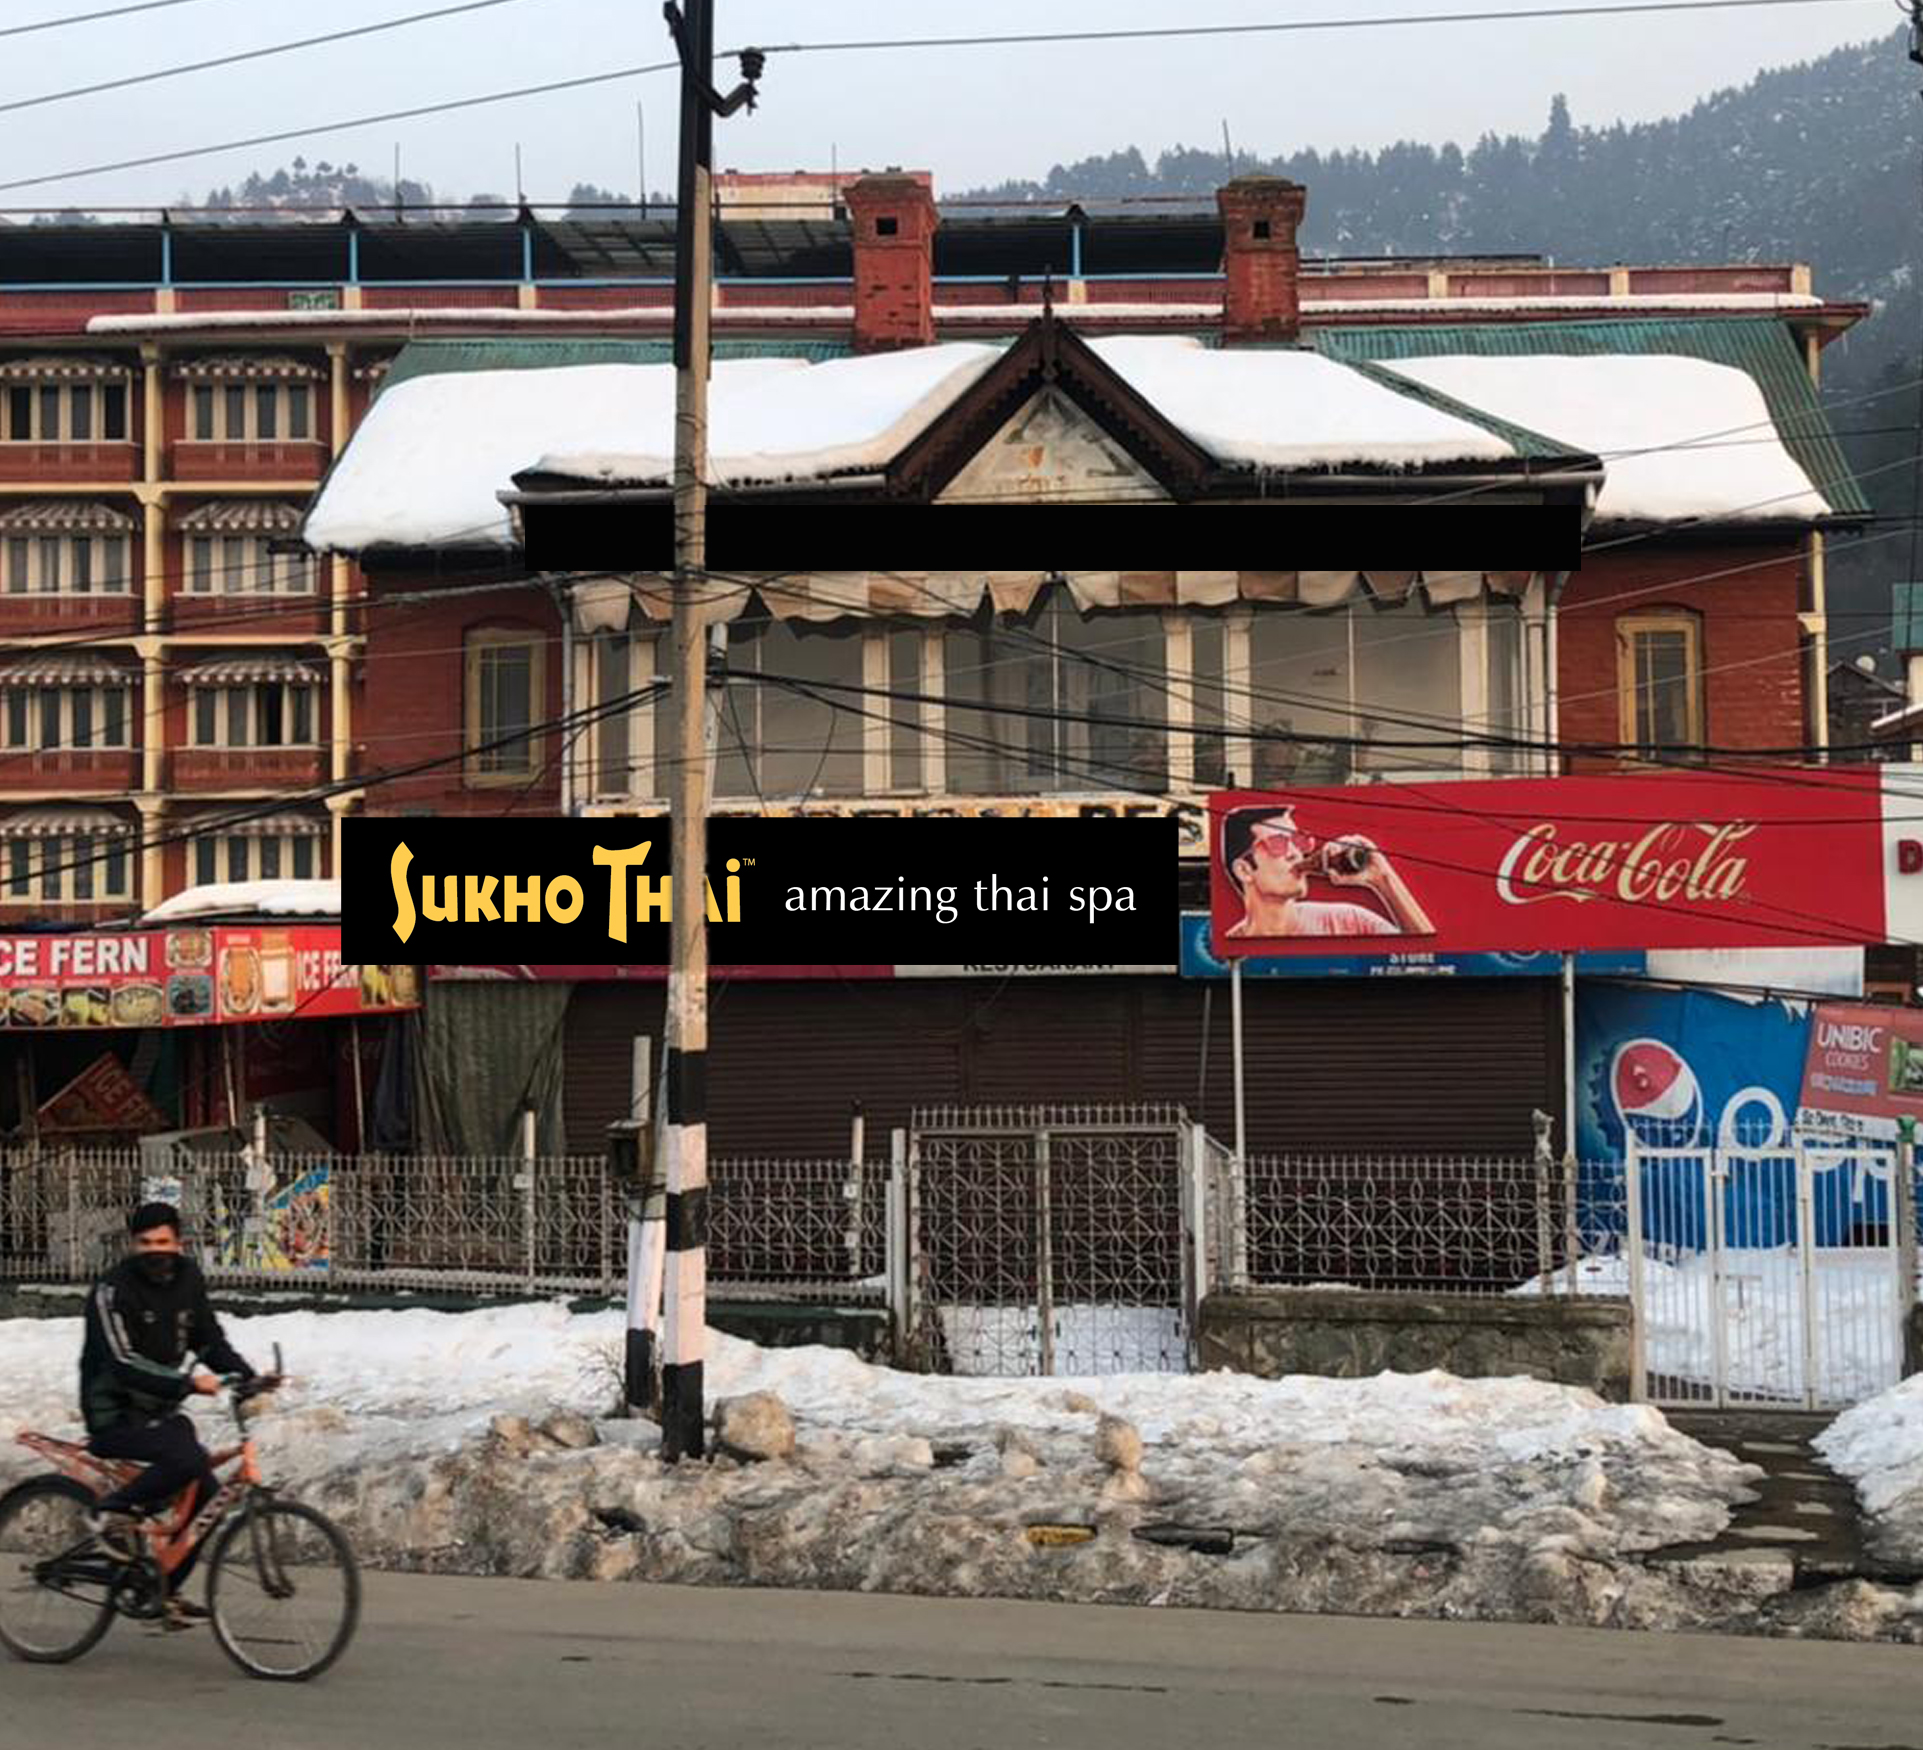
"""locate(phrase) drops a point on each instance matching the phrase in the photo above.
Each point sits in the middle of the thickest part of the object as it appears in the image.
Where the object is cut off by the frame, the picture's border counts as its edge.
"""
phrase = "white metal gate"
(1767, 1277)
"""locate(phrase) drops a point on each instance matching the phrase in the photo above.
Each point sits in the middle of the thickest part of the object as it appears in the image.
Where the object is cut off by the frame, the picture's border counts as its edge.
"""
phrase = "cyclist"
(145, 1317)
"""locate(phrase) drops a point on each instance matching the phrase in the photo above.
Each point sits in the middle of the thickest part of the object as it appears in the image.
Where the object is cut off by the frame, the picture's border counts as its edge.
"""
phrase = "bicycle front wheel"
(55, 1585)
(284, 1591)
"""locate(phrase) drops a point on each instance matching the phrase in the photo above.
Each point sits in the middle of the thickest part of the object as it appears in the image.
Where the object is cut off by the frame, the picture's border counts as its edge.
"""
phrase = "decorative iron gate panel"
(1064, 1242)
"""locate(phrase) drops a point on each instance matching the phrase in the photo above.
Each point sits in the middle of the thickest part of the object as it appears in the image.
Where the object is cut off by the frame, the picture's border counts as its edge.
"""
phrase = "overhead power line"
(260, 54)
(362, 121)
(1199, 31)
(1276, 28)
(88, 17)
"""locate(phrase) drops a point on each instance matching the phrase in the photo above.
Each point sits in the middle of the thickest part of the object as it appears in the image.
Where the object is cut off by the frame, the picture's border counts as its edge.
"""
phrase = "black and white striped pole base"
(684, 1331)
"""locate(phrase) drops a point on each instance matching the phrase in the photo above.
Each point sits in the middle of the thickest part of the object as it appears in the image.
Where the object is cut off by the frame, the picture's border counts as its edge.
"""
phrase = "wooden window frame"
(36, 742)
(65, 395)
(248, 394)
(1630, 627)
(59, 888)
(221, 847)
(68, 564)
(249, 691)
(474, 645)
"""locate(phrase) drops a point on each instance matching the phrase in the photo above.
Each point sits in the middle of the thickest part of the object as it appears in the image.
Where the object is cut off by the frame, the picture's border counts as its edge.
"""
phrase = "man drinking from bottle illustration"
(1271, 861)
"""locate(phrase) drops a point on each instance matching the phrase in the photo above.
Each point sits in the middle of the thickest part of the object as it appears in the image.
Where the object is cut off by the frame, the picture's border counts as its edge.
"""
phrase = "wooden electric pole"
(684, 1325)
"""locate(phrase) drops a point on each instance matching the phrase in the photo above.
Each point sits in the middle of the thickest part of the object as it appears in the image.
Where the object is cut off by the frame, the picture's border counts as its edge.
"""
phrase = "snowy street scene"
(1107, 1132)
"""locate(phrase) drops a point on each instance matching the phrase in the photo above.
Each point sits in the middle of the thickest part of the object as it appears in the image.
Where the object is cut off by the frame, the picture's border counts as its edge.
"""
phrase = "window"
(246, 565)
(775, 741)
(243, 413)
(262, 714)
(1354, 692)
(1062, 704)
(84, 412)
(1659, 679)
(64, 868)
(64, 564)
(504, 695)
(247, 857)
(620, 763)
(45, 719)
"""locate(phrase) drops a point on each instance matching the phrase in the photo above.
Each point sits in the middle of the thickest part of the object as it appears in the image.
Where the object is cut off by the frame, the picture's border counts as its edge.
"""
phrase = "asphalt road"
(446, 1664)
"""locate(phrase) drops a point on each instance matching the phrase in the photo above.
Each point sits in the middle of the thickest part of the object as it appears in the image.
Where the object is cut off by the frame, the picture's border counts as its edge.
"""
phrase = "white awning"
(66, 669)
(53, 823)
(242, 516)
(64, 516)
(285, 825)
(243, 671)
(959, 594)
(51, 367)
(245, 366)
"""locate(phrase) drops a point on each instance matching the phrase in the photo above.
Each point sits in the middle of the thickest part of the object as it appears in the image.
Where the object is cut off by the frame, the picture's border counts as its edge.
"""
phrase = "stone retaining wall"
(1353, 1335)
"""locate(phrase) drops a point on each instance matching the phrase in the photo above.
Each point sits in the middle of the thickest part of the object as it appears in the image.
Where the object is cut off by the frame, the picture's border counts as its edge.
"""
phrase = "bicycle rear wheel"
(284, 1591)
(55, 1585)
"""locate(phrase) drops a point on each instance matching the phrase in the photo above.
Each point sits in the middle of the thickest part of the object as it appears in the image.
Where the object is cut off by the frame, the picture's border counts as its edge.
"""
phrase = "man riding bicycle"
(145, 1317)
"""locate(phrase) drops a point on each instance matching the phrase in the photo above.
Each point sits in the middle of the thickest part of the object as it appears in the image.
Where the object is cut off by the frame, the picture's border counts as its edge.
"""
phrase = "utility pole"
(684, 1326)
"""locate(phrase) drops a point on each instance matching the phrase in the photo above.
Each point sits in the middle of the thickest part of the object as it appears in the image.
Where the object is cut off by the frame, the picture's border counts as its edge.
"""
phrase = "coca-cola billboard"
(1771, 858)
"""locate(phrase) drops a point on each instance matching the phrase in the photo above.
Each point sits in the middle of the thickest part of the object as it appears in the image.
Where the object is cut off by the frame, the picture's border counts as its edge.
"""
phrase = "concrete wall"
(1345, 1335)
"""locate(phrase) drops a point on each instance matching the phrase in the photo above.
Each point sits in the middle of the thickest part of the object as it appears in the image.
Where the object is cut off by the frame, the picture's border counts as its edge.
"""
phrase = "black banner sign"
(780, 892)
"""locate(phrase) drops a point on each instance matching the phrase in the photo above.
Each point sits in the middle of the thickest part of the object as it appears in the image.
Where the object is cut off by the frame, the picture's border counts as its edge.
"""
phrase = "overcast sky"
(971, 115)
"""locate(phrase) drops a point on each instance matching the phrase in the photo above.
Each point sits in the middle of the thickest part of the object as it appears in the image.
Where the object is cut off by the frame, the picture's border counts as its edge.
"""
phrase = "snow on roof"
(428, 462)
(1285, 409)
(433, 453)
(840, 416)
(280, 899)
(1254, 408)
(1679, 438)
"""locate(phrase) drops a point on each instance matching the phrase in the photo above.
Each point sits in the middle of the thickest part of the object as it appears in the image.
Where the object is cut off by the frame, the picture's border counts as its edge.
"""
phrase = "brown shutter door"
(1436, 1066)
(1410, 1065)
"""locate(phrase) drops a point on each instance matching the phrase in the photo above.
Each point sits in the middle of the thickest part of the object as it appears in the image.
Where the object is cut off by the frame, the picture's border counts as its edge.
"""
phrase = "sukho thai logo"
(1673, 860)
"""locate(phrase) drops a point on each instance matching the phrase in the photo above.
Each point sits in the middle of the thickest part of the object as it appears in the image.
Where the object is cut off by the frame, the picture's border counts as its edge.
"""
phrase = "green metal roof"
(1758, 345)
(427, 358)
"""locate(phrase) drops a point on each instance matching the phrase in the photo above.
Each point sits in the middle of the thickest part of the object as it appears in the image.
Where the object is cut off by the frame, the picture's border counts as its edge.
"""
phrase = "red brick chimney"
(1260, 217)
(894, 220)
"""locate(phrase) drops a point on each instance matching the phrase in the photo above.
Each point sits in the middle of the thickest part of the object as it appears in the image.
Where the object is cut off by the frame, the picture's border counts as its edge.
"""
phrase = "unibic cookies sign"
(1789, 857)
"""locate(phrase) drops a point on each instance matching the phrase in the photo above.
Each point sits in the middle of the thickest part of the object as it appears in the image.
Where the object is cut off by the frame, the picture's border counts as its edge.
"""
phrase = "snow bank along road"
(471, 1444)
(500, 1665)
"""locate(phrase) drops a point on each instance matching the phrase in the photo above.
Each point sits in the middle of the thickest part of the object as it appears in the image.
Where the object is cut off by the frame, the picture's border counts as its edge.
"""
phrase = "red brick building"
(185, 697)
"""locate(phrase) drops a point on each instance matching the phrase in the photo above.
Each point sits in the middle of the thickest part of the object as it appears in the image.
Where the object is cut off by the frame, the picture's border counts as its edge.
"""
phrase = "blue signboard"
(1199, 961)
(1697, 1071)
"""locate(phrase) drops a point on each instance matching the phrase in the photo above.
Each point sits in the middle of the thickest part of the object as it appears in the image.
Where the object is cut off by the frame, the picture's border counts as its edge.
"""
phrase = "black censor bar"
(791, 891)
(1468, 530)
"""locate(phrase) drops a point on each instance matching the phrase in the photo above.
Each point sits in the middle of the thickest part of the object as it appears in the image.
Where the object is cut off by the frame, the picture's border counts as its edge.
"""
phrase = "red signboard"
(192, 977)
(102, 1097)
(1783, 858)
(1864, 1073)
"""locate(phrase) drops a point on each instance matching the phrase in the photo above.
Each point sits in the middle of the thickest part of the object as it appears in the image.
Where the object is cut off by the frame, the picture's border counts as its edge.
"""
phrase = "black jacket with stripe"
(135, 1363)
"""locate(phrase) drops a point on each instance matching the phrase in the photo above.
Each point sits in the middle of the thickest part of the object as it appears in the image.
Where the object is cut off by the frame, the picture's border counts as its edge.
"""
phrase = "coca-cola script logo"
(1674, 860)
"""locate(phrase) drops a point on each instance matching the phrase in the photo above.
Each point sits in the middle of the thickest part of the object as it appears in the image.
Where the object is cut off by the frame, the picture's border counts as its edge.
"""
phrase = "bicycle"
(274, 1566)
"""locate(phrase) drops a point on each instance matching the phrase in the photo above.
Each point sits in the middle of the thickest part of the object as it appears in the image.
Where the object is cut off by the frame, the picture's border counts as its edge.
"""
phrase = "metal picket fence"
(506, 1224)
(1454, 1225)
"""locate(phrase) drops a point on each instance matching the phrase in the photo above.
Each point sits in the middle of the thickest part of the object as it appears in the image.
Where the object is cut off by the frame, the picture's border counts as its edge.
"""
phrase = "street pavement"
(459, 1664)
